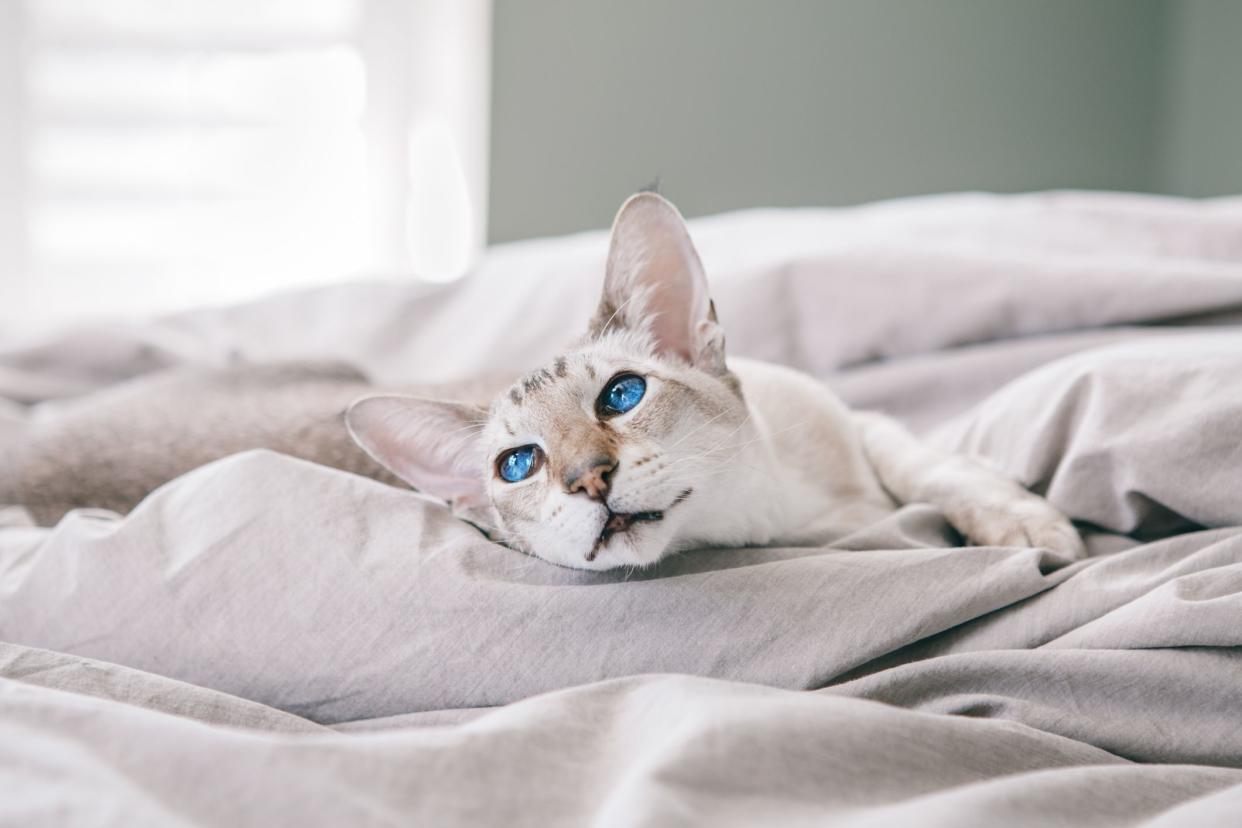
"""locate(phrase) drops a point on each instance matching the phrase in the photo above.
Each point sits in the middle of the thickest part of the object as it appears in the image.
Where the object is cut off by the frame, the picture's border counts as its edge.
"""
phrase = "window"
(165, 153)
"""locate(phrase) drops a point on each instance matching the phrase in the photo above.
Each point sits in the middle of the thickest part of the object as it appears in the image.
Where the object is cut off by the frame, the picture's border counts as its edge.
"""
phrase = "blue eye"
(519, 463)
(621, 394)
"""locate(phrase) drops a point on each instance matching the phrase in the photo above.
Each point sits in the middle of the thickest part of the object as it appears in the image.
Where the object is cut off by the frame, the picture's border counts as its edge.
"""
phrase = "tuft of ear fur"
(434, 445)
(655, 285)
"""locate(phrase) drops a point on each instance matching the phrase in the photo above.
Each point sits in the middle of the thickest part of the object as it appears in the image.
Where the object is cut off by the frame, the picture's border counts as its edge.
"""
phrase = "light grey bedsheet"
(265, 641)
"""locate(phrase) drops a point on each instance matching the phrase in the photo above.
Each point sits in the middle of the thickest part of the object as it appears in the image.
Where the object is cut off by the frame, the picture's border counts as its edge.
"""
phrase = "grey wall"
(1201, 150)
(740, 103)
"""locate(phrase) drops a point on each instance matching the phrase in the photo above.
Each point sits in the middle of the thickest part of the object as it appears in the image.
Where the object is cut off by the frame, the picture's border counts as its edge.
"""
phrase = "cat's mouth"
(618, 522)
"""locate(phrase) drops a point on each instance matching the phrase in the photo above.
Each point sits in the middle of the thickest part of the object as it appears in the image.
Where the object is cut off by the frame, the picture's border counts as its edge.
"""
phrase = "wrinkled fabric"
(266, 641)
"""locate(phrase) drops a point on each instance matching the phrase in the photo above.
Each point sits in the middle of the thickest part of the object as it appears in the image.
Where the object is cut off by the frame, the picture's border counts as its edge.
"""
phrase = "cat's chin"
(641, 544)
(626, 539)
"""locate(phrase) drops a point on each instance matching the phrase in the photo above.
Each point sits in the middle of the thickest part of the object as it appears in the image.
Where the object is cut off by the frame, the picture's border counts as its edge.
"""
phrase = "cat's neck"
(802, 467)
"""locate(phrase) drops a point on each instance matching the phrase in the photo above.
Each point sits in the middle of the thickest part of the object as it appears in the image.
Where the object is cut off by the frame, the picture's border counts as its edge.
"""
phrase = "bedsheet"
(265, 641)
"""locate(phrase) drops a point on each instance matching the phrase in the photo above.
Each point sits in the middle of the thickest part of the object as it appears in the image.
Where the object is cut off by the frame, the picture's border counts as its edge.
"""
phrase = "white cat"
(643, 440)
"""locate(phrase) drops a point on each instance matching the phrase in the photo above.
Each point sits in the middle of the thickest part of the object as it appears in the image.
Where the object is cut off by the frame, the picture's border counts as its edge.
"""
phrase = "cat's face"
(609, 456)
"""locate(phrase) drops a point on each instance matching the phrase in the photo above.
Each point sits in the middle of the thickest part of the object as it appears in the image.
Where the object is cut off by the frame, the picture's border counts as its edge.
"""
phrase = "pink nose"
(593, 480)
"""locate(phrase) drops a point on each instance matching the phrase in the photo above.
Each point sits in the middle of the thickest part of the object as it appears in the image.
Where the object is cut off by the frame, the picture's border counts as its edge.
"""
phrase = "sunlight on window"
(439, 216)
(297, 85)
(195, 18)
(176, 152)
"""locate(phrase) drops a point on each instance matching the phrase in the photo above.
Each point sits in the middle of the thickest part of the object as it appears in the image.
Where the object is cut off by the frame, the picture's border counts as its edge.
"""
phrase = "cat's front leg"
(984, 505)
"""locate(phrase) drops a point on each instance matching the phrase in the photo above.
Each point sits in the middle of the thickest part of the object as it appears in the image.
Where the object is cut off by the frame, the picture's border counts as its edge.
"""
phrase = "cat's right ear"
(433, 445)
(655, 284)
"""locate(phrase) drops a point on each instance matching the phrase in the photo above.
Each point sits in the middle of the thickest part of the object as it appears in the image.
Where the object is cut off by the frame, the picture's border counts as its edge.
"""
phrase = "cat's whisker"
(696, 430)
(715, 447)
(751, 442)
(722, 465)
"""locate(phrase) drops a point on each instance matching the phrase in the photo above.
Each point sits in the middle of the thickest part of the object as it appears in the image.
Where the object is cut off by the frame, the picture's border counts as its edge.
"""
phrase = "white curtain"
(165, 153)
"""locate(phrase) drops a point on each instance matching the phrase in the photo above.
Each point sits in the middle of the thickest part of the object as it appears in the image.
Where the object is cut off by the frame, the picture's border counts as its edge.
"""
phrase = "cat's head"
(611, 455)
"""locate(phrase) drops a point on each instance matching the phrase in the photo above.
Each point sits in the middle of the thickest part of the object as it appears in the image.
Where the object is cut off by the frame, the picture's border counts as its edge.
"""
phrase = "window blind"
(176, 152)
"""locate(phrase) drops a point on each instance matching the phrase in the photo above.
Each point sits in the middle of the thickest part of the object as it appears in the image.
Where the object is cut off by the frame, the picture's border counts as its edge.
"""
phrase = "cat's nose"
(591, 478)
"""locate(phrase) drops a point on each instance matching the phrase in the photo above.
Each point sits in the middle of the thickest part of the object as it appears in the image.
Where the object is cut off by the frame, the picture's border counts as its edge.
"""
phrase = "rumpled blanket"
(265, 641)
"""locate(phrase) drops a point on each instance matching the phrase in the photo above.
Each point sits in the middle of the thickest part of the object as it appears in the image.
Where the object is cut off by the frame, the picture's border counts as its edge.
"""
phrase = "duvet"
(265, 641)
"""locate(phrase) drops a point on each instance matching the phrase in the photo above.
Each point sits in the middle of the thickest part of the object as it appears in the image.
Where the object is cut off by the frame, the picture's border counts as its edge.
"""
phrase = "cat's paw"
(1023, 519)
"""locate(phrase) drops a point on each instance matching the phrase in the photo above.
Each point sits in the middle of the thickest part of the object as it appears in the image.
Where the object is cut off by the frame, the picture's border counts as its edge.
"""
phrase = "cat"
(640, 441)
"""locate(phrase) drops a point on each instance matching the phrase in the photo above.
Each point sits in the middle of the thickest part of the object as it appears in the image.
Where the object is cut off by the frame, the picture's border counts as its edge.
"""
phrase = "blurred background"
(160, 154)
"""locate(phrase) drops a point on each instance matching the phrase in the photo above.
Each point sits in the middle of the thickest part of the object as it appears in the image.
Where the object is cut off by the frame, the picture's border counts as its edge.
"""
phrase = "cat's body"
(112, 448)
(640, 441)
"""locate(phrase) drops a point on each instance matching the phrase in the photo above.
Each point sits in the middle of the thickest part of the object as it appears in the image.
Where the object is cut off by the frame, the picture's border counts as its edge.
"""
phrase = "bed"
(266, 641)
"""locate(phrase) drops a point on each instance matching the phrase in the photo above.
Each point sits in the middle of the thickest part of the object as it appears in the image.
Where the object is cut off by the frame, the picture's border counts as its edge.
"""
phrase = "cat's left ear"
(655, 282)
(433, 445)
